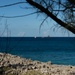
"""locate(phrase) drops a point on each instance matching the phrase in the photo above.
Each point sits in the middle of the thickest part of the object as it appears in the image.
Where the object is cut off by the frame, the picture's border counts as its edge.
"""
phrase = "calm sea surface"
(59, 50)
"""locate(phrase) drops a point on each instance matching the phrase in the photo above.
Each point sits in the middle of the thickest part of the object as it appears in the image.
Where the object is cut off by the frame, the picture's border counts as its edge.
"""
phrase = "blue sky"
(27, 26)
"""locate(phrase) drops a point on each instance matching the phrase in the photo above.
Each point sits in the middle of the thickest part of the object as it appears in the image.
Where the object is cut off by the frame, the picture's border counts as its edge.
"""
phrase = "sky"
(27, 26)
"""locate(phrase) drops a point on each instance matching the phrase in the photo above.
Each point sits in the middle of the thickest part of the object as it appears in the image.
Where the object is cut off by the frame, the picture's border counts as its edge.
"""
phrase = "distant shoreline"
(24, 65)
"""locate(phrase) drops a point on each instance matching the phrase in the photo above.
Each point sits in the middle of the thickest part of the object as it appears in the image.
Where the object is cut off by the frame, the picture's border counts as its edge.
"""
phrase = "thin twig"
(20, 15)
(42, 23)
(4, 30)
(26, 7)
(12, 4)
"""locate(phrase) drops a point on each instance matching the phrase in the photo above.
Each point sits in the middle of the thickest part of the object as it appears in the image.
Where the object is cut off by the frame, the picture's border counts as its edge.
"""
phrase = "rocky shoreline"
(15, 65)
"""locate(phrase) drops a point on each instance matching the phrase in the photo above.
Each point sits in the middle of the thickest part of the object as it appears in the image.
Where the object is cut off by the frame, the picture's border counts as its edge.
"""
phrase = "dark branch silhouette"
(42, 23)
(20, 15)
(48, 13)
(12, 4)
(52, 9)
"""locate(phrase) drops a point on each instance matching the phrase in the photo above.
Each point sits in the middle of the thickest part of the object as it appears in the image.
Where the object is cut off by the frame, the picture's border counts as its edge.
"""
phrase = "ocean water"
(58, 50)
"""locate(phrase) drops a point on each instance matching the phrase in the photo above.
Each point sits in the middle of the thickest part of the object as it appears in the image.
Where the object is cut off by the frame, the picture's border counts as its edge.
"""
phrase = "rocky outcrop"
(17, 65)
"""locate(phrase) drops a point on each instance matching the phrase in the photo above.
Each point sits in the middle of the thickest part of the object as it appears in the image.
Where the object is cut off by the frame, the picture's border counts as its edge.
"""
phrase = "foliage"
(61, 11)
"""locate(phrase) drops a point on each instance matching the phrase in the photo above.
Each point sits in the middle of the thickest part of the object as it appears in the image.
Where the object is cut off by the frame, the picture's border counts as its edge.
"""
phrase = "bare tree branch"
(4, 29)
(26, 7)
(48, 13)
(42, 23)
(20, 15)
(4, 6)
(48, 7)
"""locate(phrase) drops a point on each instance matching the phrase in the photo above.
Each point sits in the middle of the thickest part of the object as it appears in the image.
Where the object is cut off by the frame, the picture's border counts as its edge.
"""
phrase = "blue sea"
(58, 50)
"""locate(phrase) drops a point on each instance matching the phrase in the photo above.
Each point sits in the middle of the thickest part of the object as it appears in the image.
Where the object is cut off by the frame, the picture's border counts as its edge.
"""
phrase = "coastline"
(22, 66)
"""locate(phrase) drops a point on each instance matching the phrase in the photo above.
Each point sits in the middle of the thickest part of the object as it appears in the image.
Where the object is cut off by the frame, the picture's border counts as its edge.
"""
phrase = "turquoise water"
(55, 49)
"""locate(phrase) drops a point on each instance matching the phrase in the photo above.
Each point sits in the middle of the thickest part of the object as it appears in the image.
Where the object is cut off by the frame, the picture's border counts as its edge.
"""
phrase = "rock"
(20, 65)
(35, 67)
(37, 62)
(72, 73)
(44, 66)
(49, 63)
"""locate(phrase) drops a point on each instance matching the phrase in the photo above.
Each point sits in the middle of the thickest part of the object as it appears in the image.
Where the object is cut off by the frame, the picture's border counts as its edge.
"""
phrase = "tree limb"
(48, 13)
(20, 15)
(12, 4)
(42, 23)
